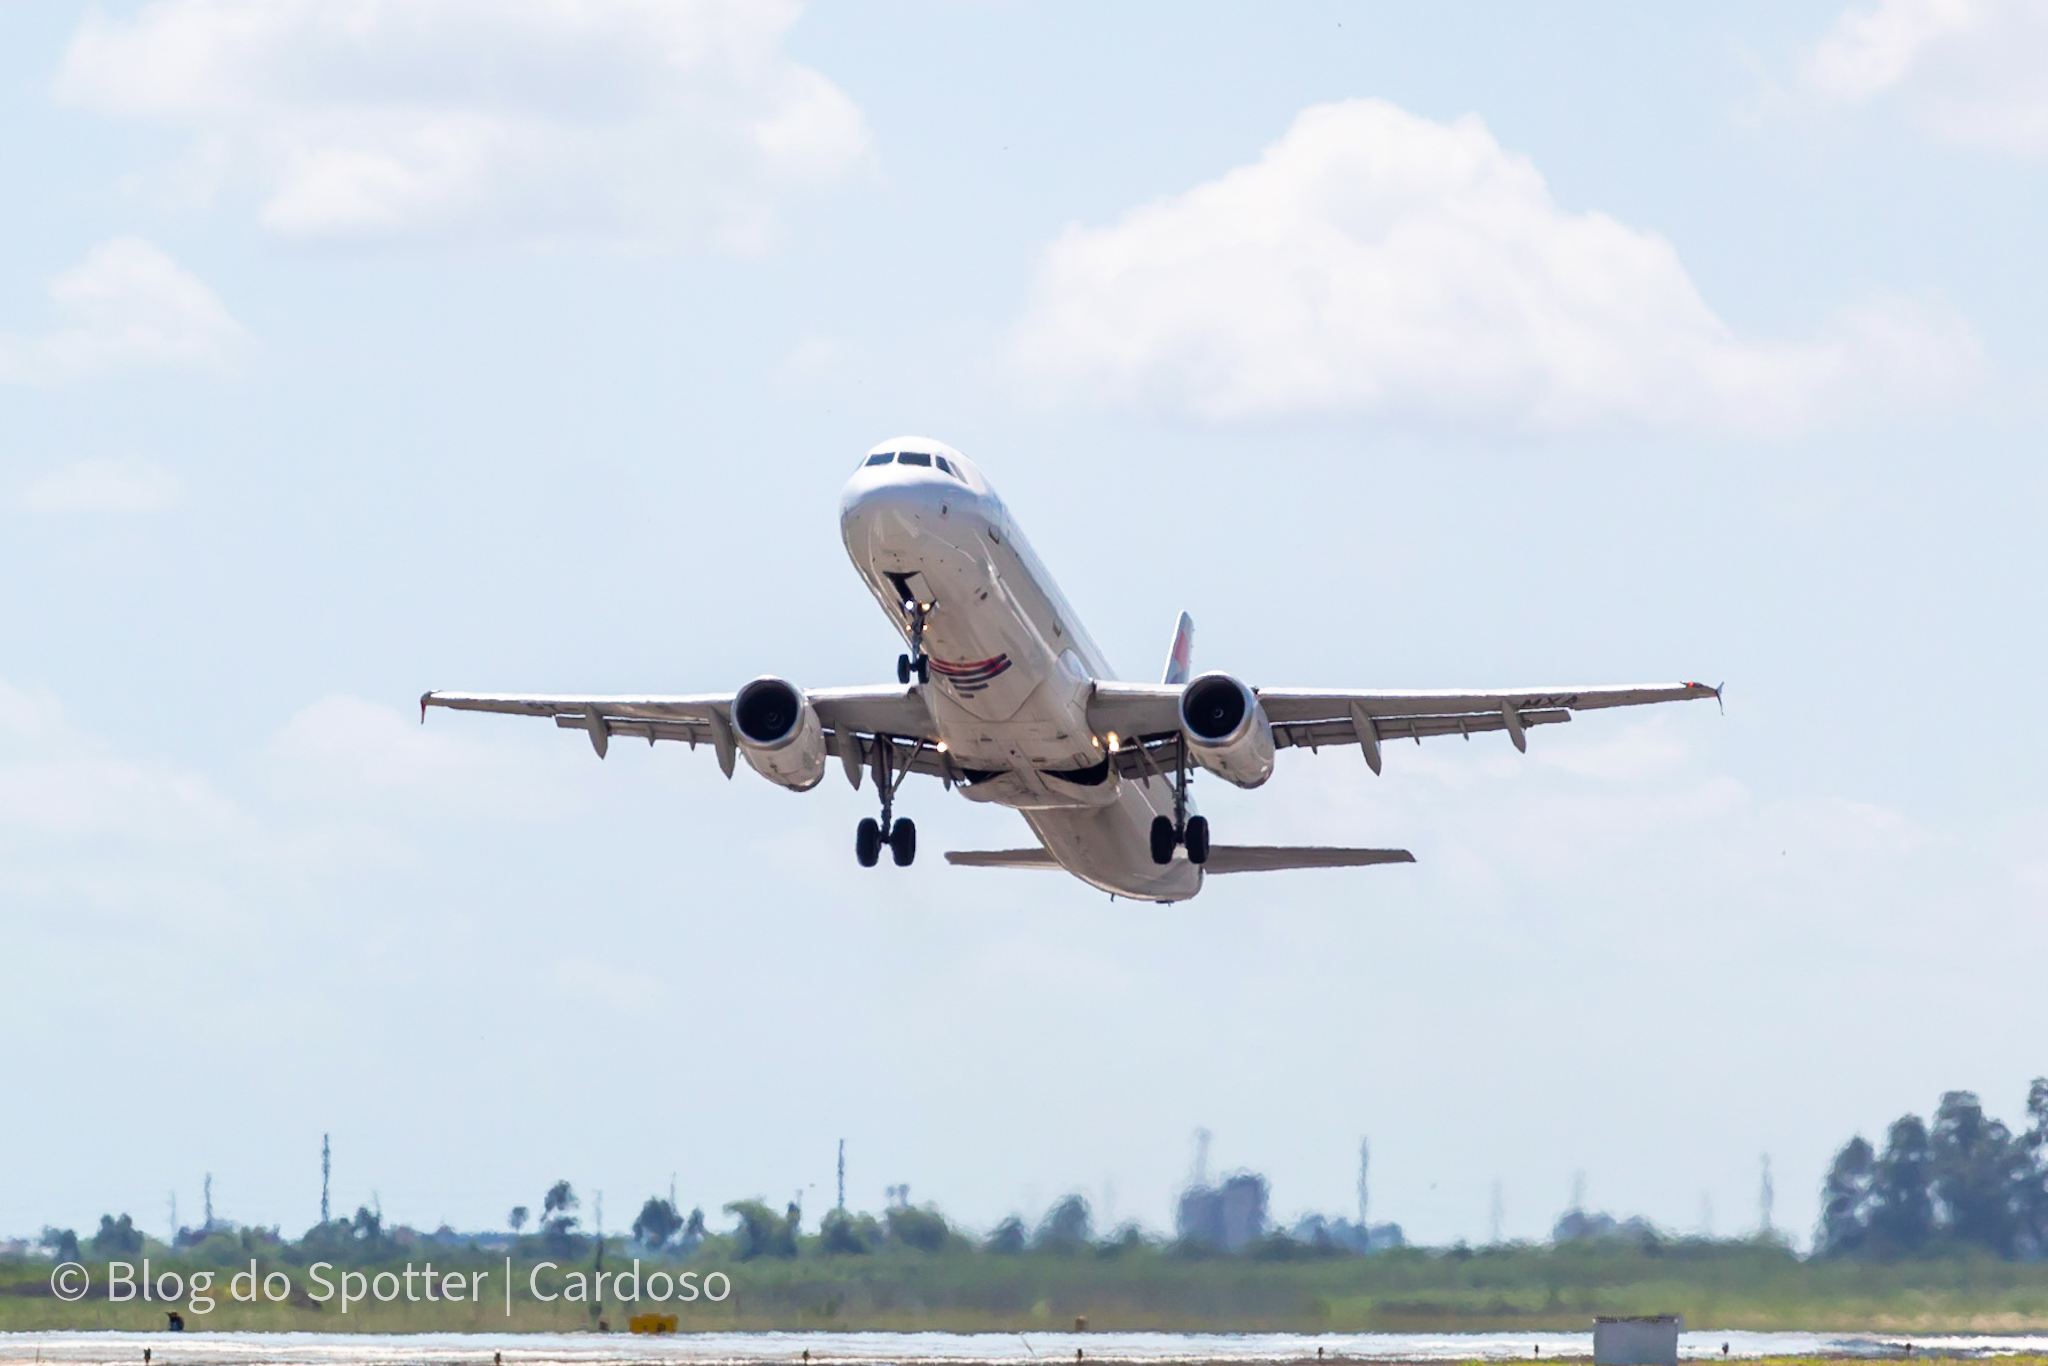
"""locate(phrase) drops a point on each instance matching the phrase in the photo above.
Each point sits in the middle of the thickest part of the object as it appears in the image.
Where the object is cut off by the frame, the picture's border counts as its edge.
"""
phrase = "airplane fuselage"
(1011, 668)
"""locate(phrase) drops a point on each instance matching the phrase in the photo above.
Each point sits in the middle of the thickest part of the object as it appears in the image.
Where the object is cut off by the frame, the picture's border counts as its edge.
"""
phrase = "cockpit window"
(940, 461)
(880, 458)
(913, 458)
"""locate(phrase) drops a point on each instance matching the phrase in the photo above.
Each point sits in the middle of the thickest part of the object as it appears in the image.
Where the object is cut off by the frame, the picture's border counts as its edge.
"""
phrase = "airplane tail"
(1179, 660)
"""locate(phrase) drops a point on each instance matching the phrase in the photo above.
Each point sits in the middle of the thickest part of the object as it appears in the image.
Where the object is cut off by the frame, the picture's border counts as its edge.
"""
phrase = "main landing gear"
(868, 839)
(900, 835)
(1180, 828)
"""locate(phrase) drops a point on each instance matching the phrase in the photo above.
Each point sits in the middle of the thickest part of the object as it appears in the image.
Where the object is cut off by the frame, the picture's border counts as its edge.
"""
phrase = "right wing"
(1146, 716)
(889, 722)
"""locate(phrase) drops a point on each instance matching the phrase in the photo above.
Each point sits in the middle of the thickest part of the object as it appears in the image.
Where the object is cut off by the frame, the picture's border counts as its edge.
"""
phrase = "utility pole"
(597, 1309)
(1766, 1196)
(174, 1219)
(325, 1168)
(842, 1173)
(209, 1202)
(1364, 1164)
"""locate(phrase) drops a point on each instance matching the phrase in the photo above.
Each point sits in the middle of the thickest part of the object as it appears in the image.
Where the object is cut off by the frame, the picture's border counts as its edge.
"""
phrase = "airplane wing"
(859, 723)
(1146, 716)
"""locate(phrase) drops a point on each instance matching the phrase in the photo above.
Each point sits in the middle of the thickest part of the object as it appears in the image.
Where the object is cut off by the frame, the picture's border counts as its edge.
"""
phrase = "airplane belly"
(1110, 848)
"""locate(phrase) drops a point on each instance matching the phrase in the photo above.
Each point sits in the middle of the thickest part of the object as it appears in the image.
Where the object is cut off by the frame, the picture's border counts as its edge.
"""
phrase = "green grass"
(1721, 1285)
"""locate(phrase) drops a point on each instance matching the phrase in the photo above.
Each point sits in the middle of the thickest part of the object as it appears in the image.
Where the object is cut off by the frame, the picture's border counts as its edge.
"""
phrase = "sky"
(350, 349)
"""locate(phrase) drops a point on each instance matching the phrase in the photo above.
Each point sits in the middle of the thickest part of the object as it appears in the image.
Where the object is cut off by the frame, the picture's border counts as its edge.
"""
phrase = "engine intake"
(1227, 729)
(779, 733)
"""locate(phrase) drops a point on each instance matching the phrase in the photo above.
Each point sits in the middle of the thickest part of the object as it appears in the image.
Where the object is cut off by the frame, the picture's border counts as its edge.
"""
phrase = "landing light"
(942, 746)
(1112, 742)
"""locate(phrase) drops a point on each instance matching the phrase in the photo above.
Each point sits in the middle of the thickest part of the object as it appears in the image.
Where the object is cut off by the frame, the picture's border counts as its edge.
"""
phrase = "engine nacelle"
(1227, 730)
(779, 732)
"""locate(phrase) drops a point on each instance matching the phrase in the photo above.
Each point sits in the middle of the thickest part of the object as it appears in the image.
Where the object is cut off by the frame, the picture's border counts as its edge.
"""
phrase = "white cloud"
(342, 752)
(1973, 72)
(531, 119)
(104, 486)
(1372, 261)
(126, 303)
(342, 784)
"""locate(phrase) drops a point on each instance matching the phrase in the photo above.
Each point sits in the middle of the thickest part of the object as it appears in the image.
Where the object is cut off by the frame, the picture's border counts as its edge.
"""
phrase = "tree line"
(1966, 1182)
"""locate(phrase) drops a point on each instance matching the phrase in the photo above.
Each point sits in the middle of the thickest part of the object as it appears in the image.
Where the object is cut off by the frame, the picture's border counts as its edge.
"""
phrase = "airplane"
(1002, 696)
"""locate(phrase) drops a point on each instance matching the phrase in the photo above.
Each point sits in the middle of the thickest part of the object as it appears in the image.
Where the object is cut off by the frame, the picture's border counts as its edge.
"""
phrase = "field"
(1715, 1285)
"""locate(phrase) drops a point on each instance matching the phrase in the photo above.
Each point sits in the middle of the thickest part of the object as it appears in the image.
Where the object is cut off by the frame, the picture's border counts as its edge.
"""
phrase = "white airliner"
(1005, 699)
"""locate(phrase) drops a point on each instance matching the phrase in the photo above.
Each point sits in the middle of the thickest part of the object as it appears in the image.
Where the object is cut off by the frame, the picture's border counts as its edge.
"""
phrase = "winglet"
(423, 707)
(1179, 660)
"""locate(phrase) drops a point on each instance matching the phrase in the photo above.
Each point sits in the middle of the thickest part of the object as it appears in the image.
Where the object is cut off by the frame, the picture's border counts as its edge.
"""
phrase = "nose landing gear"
(916, 662)
(1180, 829)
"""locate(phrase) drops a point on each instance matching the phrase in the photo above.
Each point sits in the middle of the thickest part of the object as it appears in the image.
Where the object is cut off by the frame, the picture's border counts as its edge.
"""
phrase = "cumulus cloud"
(1973, 72)
(104, 486)
(1373, 261)
(343, 752)
(531, 119)
(125, 304)
(337, 788)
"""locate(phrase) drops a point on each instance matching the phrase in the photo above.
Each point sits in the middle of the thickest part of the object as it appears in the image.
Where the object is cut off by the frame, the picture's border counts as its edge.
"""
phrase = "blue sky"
(349, 350)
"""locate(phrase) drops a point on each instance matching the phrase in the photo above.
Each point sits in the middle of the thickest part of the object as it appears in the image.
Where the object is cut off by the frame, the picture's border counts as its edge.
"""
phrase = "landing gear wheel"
(1197, 840)
(867, 842)
(1162, 840)
(903, 668)
(903, 843)
(924, 669)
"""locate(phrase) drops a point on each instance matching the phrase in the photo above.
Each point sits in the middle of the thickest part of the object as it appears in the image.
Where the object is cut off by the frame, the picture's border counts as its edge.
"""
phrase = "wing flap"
(1317, 734)
(1268, 858)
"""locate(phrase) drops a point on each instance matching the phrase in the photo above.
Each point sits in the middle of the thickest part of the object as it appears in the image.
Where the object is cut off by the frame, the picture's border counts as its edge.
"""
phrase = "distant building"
(1318, 1231)
(1228, 1217)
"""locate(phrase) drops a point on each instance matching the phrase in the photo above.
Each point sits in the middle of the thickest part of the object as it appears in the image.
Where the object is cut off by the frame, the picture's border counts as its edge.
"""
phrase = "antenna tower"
(326, 1166)
(1364, 1165)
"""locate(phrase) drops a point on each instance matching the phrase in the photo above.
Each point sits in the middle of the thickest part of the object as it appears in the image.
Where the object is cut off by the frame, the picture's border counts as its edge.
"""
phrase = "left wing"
(1148, 714)
(889, 721)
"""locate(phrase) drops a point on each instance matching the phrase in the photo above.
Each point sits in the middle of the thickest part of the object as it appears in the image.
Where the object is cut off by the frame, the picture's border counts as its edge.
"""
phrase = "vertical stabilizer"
(1178, 667)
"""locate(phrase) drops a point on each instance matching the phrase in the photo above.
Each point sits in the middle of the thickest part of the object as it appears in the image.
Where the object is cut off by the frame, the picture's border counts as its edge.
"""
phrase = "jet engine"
(1227, 730)
(778, 730)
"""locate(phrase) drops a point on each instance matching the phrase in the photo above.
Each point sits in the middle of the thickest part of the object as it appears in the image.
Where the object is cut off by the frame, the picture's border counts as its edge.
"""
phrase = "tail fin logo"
(1179, 660)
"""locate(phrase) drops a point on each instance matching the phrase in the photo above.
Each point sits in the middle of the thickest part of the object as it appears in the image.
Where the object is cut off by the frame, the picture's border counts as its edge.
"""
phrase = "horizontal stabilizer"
(1002, 858)
(1223, 858)
(1267, 858)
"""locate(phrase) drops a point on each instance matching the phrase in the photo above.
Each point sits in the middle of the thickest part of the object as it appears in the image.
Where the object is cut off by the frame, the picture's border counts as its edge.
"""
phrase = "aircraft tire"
(1162, 840)
(1198, 840)
(903, 668)
(867, 842)
(903, 843)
